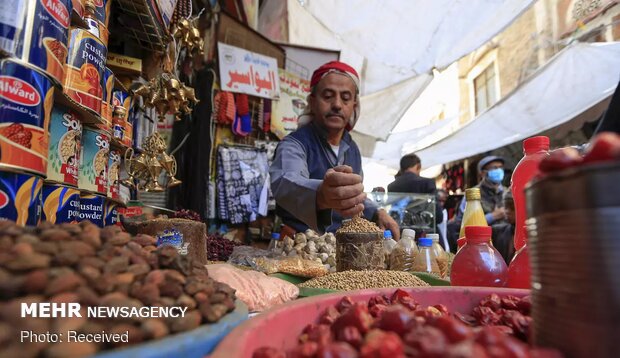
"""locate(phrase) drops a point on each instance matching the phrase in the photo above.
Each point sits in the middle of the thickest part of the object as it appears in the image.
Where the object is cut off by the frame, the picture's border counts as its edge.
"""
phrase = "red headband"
(334, 66)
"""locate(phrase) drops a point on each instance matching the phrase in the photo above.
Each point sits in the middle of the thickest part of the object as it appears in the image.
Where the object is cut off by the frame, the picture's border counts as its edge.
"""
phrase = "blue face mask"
(496, 175)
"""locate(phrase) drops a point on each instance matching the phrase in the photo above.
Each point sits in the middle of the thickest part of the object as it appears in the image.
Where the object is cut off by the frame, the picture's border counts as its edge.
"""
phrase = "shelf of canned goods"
(66, 121)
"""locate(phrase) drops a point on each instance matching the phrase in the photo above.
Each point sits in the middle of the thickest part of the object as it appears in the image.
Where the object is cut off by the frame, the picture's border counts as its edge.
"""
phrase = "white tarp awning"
(577, 78)
(394, 42)
(389, 153)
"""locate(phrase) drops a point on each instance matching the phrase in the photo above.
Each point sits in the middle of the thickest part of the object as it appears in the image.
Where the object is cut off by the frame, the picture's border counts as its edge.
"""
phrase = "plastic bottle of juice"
(519, 273)
(425, 260)
(440, 254)
(388, 246)
(535, 150)
(478, 263)
(474, 214)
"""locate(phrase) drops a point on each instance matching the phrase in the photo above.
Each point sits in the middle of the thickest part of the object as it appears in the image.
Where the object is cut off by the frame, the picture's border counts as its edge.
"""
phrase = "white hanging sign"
(242, 71)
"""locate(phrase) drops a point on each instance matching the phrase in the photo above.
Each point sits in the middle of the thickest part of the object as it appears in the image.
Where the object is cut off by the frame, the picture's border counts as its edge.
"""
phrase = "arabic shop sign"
(291, 104)
(246, 72)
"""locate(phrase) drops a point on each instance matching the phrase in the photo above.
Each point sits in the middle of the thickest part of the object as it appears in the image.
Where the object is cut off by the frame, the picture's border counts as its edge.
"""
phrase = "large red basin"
(280, 327)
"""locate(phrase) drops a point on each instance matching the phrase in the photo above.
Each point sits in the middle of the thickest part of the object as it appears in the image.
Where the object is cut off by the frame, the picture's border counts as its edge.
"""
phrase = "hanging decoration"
(167, 94)
(188, 37)
(147, 167)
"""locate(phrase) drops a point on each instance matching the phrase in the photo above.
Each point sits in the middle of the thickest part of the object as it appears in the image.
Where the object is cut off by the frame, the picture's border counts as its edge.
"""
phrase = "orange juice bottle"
(474, 214)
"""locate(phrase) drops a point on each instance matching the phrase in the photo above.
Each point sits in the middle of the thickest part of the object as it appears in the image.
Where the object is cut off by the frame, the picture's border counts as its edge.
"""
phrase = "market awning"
(389, 153)
(396, 44)
(576, 79)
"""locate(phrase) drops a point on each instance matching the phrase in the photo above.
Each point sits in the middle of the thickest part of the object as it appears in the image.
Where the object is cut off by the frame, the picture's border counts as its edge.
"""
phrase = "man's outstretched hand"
(341, 190)
(386, 222)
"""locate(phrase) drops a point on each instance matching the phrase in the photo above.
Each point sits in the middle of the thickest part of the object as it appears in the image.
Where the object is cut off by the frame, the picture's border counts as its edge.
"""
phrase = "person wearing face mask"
(490, 176)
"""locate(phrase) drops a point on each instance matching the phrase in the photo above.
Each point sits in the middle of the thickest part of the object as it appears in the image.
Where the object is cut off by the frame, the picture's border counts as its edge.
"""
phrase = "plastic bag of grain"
(257, 290)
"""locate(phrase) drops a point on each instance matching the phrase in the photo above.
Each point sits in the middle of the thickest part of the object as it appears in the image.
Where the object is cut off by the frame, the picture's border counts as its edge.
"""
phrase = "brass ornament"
(188, 36)
(146, 167)
(167, 94)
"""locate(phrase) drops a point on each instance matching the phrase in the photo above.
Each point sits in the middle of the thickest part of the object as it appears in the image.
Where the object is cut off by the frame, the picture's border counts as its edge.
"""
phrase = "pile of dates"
(95, 267)
(398, 326)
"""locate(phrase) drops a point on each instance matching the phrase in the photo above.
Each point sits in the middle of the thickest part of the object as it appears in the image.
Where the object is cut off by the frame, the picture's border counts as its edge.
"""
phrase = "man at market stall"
(316, 175)
(408, 180)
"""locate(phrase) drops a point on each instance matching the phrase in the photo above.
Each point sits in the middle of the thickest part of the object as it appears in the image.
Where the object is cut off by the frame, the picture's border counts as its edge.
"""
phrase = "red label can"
(85, 69)
(36, 31)
(26, 99)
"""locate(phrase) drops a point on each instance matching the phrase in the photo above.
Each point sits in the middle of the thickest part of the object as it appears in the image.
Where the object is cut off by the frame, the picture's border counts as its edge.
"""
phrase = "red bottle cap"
(478, 234)
(536, 144)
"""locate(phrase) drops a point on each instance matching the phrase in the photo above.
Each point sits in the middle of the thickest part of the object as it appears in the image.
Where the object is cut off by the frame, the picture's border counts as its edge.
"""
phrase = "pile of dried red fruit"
(398, 326)
(219, 248)
(187, 214)
(605, 147)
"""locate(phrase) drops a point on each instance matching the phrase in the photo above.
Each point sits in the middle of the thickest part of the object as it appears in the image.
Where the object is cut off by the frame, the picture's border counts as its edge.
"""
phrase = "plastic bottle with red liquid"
(478, 263)
(535, 150)
(519, 274)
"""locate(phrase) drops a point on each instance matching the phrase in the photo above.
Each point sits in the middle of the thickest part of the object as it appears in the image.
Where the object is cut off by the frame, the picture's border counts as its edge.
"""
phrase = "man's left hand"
(385, 222)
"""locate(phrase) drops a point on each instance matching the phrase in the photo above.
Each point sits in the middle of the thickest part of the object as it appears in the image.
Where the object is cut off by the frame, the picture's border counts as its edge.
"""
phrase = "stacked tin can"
(47, 159)
(61, 198)
(26, 99)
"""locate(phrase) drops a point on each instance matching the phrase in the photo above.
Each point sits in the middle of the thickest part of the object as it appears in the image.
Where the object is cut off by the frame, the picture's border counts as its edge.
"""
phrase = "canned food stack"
(26, 99)
(85, 69)
(575, 260)
(48, 160)
(37, 34)
(61, 197)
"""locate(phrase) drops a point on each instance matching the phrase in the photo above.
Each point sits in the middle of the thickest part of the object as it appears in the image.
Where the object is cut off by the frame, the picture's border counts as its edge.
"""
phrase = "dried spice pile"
(357, 280)
(358, 224)
(98, 268)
